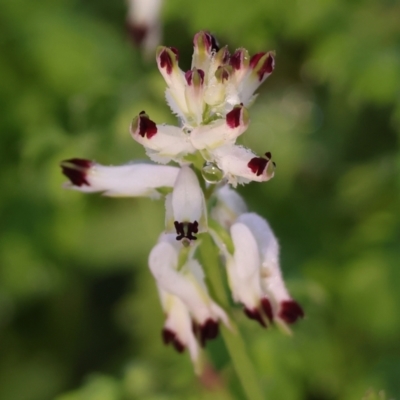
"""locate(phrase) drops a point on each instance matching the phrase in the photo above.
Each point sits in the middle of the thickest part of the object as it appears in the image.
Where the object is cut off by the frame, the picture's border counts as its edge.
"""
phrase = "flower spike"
(211, 102)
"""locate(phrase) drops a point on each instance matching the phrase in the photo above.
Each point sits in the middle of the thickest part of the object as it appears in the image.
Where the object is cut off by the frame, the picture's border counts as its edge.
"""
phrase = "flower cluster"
(211, 102)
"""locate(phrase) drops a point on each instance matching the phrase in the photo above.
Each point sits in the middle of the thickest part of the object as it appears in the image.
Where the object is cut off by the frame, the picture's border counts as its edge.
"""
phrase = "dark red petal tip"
(257, 165)
(137, 33)
(237, 60)
(290, 311)
(267, 308)
(166, 60)
(194, 74)
(186, 230)
(147, 127)
(267, 65)
(169, 336)
(256, 315)
(76, 170)
(233, 117)
(208, 331)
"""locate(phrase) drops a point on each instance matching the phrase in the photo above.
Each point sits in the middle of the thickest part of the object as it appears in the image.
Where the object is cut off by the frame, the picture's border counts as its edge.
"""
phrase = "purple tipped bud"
(143, 126)
(223, 73)
(238, 116)
(290, 311)
(262, 64)
(168, 58)
(258, 165)
(194, 77)
(239, 59)
(223, 56)
(205, 42)
(76, 170)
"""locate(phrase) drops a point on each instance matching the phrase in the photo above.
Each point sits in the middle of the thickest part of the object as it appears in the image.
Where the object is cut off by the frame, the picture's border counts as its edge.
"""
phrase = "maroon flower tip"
(233, 117)
(257, 165)
(236, 59)
(76, 170)
(146, 126)
(166, 60)
(267, 308)
(170, 337)
(256, 315)
(189, 76)
(290, 311)
(266, 68)
(222, 73)
(208, 331)
(186, 230)
(137, 33)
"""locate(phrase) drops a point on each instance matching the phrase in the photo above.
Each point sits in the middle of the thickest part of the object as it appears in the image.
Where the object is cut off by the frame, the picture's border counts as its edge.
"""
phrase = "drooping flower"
(186, 282)
(255, 272)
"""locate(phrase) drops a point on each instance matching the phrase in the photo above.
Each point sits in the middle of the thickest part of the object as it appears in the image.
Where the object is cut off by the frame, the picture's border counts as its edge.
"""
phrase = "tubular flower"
(255, 273)
(143, 24)
(212, 102)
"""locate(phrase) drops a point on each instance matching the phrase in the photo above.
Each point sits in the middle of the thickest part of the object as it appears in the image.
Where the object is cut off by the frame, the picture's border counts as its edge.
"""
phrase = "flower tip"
(203, 41)
(75, 169)
(208, 330)
(263, 166)
(290, 311)
(142, 125)
(167, 58)
(263, 64)
(137, 33)
(169, 336)
(237, 116)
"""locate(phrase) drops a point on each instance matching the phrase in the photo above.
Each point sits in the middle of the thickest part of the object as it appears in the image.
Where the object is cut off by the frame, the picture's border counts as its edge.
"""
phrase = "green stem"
(241, 361)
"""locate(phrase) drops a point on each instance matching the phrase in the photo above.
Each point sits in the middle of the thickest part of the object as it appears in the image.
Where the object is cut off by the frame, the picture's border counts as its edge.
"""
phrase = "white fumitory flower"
(143, 24)
(186, 283)
(211, 101)
(255, 275)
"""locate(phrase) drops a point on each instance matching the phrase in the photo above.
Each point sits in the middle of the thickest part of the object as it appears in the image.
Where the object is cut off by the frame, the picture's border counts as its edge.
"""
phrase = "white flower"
(125, 180)
(178, 327)
(185, 207)
(143, 22)
(256, 249)
(186, 282)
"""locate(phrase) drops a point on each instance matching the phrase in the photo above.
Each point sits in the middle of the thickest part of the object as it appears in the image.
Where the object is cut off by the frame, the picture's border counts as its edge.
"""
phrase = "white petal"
(125, 180)
(247, 266)
(188, 202)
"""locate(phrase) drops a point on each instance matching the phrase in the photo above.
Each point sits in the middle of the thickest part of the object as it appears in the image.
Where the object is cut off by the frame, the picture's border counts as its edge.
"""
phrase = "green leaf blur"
(79, 312)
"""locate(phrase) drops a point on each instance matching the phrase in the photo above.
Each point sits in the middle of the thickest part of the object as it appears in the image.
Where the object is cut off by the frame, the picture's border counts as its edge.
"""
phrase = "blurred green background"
(79, 312)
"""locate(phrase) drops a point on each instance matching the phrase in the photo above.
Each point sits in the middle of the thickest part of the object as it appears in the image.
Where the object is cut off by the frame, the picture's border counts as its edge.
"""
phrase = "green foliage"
(79, 313)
